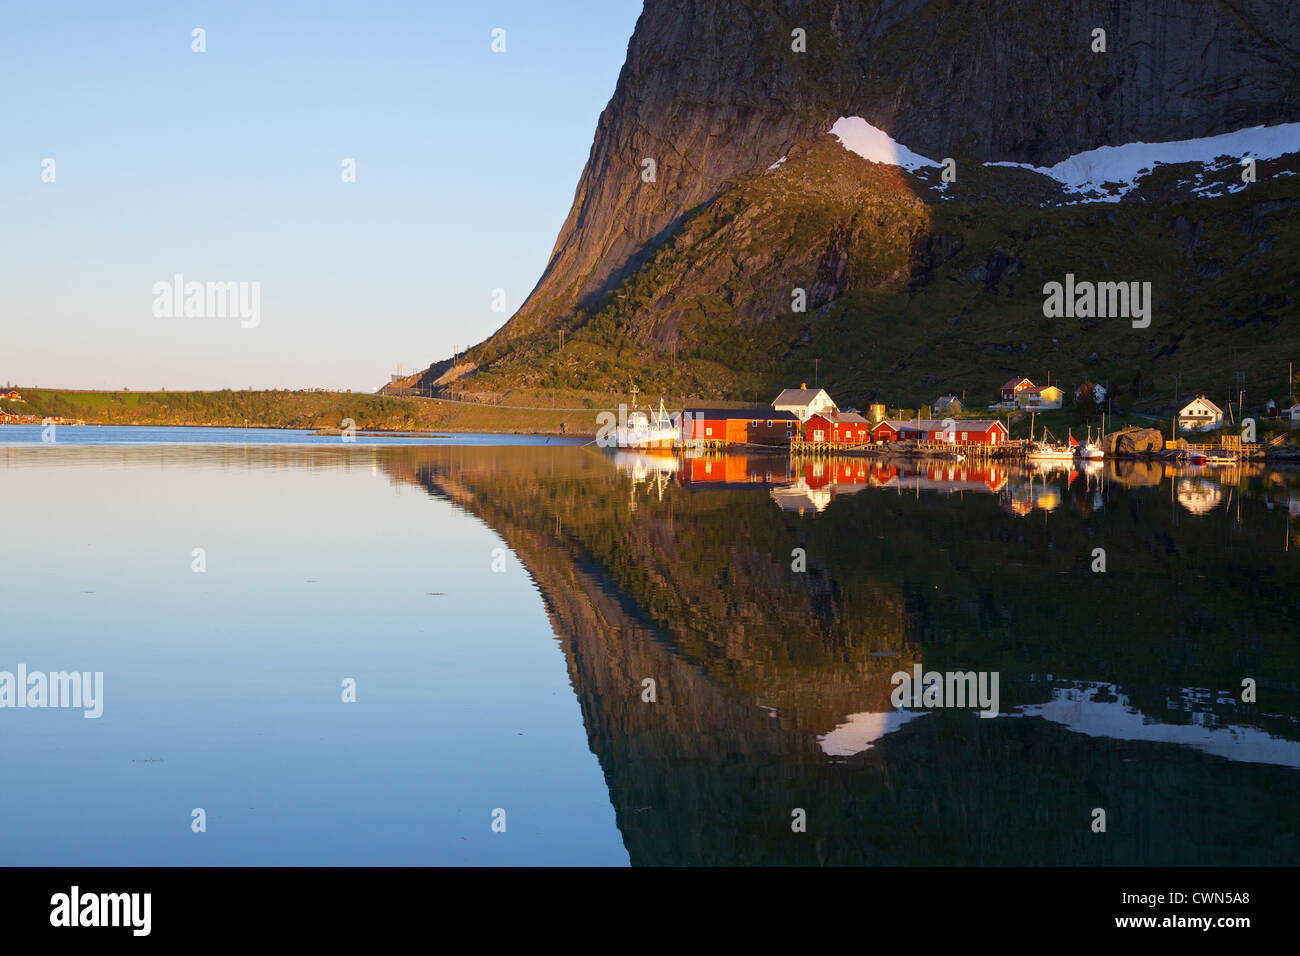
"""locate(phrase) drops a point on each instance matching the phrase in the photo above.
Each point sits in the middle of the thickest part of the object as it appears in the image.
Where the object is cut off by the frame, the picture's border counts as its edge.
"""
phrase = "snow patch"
(1122, 166)
(858, 136)
(1107, 173)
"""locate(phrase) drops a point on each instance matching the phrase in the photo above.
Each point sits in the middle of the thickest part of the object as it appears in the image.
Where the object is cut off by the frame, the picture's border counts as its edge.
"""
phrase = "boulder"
(1134, 441)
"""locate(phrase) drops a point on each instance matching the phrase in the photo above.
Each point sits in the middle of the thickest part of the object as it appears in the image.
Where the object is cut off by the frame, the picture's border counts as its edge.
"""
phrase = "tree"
(1085, 406)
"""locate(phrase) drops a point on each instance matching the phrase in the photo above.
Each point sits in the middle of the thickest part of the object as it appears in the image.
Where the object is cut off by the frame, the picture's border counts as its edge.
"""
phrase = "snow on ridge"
(858, 136)
(1085, 173)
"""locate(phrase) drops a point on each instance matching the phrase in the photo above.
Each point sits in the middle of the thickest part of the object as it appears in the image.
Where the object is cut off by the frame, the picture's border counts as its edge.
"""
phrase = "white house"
(804, 403)
(1294, 412)
(1098, 392)
(1200, 414)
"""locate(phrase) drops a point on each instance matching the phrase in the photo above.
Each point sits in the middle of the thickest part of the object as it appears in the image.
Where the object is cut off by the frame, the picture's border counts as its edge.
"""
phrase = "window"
(963, 436)
(708, 431)
(754, 423)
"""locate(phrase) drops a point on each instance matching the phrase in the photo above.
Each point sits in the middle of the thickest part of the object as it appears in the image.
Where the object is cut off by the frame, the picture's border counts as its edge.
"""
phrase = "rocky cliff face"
(711, 90)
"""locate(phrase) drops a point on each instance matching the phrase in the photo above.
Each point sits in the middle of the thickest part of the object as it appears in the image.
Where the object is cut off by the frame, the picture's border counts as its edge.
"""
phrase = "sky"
(228, 165)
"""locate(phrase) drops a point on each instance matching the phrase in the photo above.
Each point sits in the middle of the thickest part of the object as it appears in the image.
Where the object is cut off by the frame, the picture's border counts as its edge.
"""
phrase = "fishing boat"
(1091, 450)
(652, 429)
(1045, 450)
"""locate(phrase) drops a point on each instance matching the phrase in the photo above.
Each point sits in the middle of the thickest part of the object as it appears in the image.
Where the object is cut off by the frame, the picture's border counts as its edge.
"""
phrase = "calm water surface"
(501, 608)
(19, 435)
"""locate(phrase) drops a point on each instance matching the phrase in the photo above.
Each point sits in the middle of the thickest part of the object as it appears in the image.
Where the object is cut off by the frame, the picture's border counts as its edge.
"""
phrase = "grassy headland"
(532, 411)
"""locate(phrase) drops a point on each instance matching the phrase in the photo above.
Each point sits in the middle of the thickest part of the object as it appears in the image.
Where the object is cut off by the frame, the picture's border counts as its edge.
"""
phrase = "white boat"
(1091, 450)
(653, 429)
(1045, 450)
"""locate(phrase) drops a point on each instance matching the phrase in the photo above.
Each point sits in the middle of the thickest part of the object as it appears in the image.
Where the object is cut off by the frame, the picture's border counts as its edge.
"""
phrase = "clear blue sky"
(225, 166)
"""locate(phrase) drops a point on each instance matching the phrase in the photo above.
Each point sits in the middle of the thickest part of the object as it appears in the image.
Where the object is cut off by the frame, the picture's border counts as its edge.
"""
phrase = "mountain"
(686, 282)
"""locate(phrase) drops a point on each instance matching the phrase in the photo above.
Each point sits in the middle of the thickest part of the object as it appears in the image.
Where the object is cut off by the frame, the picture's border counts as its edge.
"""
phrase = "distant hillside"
(308, 410)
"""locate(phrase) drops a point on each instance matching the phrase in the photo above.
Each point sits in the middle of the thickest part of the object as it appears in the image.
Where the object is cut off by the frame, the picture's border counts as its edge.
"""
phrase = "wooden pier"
(916, 448)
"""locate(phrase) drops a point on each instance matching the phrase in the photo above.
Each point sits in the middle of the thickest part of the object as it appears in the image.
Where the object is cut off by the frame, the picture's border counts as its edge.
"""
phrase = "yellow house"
(1036, 399)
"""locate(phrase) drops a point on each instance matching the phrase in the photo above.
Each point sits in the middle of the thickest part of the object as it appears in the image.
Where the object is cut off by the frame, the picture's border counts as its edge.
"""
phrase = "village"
(9, 417)
(808, 422)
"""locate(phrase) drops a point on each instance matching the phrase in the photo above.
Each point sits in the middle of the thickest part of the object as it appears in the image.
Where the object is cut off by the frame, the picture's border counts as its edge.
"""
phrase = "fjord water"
(524, 689)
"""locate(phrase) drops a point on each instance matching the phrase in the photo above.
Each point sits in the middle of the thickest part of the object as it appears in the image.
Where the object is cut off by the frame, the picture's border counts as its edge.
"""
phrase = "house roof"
(713, 413)
(926, 424)
(842, 418)
(945, 399)
(935, 424)
(1205, 401)
(741, 414)
(1016, 381)
(800, 396)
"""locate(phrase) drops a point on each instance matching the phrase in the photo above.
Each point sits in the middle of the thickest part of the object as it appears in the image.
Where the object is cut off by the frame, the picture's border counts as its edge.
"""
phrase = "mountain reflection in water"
(773, 684)
(678, 654)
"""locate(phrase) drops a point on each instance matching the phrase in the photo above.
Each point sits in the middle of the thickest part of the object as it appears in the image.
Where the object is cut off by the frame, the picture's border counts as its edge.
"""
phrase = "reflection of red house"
(838, 428)
(734, 470)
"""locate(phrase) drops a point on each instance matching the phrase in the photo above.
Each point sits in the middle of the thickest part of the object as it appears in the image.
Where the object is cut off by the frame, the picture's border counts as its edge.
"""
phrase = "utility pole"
(817, 365)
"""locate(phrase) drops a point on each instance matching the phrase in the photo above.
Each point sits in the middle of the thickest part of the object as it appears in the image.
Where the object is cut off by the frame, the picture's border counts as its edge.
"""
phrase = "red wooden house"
(736, 426)
(961, 431)
(837, 428)
(1013, 388)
